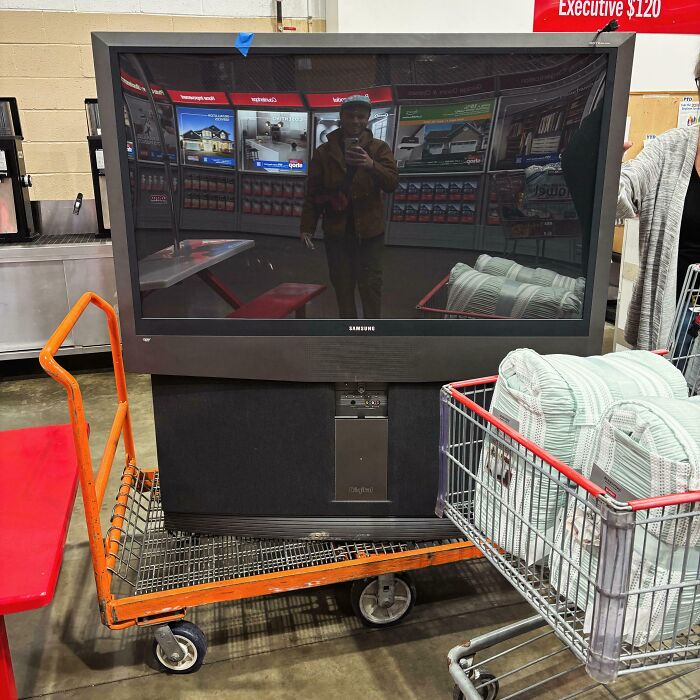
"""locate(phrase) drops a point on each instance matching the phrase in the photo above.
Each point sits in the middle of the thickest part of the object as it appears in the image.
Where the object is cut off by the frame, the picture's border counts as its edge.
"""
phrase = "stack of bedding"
(481, 293)
(645, 448)
(556, 401)
(503, 267)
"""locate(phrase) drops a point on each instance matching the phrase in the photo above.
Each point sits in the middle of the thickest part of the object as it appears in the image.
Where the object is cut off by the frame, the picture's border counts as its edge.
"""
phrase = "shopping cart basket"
(624, 594)
(148, 576)
(435, 302)
(586, 593)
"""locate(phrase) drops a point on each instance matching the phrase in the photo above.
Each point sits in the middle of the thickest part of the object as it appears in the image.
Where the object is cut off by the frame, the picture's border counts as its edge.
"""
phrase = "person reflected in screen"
(348, 177)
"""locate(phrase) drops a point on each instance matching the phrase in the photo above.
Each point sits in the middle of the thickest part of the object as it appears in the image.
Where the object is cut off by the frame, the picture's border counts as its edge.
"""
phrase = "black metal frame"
(94, 145)
(328, 349)
(12, 145)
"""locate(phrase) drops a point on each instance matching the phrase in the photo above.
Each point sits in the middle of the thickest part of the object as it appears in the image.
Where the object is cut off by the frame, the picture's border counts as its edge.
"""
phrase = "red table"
(39, 474)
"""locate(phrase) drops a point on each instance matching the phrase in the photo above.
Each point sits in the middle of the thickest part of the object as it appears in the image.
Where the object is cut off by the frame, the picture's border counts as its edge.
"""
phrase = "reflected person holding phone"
(348, 178)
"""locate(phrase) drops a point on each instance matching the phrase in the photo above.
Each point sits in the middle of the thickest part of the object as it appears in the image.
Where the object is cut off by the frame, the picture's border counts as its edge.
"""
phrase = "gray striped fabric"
(650, 447)
(477, 292)
(503, 267)
(556, 401)
(653, 185)
(650, 616)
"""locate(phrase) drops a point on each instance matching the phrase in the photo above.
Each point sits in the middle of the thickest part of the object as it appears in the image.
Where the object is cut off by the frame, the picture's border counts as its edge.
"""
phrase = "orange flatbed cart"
(148, 576)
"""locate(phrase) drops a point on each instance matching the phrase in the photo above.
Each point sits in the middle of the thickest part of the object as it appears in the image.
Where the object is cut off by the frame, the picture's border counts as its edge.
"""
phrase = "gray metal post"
(444, 446)
(612, 592)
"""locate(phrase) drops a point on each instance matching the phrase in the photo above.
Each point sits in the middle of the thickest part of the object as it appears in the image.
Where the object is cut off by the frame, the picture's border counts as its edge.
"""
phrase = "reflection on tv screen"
(274, 142)
(207, 137)
(448, 200)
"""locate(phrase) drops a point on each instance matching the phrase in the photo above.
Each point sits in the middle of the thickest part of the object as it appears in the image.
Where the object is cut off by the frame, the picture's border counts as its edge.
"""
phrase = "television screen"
(439, 138)
(482, 206)
(381, 124)
(207, 137)
(274, 142)
(130, 141)
(150, 146)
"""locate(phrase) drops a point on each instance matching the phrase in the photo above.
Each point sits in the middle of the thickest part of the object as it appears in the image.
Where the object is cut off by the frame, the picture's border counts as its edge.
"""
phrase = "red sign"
(136, 86)
(643, 16)
(198, 98)
(333, 100)
(267, 99)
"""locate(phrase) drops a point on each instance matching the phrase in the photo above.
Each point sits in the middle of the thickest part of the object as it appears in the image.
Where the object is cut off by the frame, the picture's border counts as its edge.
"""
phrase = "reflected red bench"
(279, 302)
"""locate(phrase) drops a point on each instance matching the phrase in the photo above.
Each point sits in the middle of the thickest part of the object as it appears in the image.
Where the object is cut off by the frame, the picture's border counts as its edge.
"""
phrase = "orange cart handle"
(46, 356)
(93, 488)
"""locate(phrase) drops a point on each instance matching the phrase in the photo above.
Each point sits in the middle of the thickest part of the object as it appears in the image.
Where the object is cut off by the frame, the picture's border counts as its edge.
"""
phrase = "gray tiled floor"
(296, 645)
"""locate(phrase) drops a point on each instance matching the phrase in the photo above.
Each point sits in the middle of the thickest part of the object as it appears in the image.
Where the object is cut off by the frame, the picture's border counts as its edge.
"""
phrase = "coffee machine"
(97, 166)
(16, 218)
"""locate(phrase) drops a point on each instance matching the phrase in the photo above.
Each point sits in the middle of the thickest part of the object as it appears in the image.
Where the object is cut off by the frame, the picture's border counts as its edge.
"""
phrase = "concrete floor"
(297, 645)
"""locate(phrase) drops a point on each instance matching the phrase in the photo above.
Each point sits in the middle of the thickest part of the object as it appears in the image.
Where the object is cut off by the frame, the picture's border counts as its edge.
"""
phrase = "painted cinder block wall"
(46, 63)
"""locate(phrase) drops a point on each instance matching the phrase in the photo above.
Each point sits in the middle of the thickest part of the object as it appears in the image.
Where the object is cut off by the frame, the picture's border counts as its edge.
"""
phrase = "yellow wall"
(46, 63)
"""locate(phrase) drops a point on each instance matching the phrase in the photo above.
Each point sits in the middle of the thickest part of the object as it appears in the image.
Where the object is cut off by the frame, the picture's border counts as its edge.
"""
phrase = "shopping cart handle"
(72, 317)
(93, 485)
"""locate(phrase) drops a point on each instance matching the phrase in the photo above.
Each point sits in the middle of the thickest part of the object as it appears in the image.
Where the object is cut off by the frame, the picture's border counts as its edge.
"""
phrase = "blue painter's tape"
(243, 42)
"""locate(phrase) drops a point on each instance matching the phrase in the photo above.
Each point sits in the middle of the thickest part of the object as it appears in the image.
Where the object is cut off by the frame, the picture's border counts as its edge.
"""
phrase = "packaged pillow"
(480, 293)
(541, 181)
(651, 447)
(650, 616)
(645, 448)
(503, 267)
(556, 401)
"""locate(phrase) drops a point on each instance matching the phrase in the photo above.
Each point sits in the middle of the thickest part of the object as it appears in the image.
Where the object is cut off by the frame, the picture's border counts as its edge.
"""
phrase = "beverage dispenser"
(16, 219)
(97, 167)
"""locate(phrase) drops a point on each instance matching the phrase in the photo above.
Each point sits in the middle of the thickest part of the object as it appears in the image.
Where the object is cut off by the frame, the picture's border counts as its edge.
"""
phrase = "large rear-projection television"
(278, 410)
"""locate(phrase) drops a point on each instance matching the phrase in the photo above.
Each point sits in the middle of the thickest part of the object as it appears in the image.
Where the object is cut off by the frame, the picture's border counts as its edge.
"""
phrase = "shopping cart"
(684, 347)
(527, 660)
(535, 212)
(435, 302)
(624, 595)
(148, 576)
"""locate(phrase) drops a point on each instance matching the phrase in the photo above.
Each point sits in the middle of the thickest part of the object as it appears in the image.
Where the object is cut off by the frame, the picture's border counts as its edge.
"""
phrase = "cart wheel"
(490, 692)
(368, 605)
(191, 640)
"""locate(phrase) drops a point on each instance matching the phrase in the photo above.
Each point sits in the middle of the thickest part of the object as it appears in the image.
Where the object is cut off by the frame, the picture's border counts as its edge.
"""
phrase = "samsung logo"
(363, 329)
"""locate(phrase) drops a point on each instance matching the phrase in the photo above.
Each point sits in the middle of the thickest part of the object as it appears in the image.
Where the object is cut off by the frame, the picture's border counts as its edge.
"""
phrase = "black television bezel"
(333, 349)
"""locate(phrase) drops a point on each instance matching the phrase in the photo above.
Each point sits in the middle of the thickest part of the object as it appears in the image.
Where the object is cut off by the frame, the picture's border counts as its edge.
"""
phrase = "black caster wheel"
(192, 642)
(377, 605)
(480, 679)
